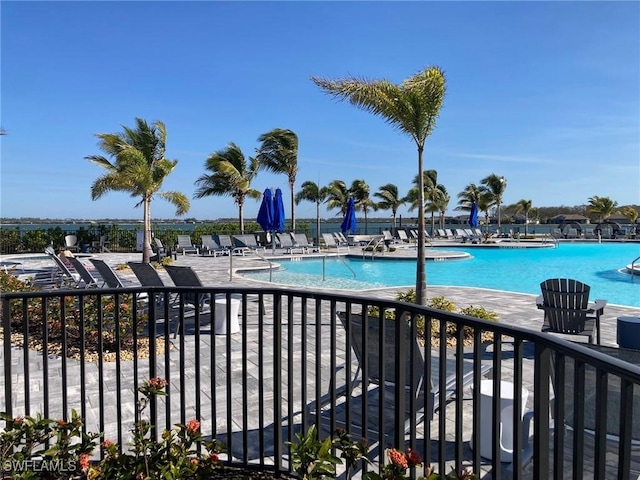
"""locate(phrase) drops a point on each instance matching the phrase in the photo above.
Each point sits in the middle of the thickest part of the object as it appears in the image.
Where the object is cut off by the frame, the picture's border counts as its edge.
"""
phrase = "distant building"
(569, 218)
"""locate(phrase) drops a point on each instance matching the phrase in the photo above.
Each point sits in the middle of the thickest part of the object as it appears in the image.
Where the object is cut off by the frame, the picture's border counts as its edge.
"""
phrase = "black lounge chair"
(86, 276)
(108, 275)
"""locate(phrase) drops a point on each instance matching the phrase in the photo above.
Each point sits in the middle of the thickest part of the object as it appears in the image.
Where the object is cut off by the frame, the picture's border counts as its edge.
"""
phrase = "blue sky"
(546, 94)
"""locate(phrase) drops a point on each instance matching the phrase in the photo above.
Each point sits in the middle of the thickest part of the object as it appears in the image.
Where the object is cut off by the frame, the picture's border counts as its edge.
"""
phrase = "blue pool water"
(515, 270)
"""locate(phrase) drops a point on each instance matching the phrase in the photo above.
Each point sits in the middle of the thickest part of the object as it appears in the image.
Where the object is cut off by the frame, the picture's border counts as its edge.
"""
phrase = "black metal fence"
(302, 358)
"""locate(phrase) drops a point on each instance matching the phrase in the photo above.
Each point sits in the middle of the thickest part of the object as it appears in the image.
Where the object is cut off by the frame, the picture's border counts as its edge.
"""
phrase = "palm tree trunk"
(317, 242)
(241, 217)
(421, 273)
(146, 236)
(293, 210)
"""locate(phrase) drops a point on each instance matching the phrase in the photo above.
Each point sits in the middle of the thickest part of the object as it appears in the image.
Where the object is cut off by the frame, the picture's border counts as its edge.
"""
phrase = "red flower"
(107, 443)
(62, 423)
(84, 461)
(18, 420)
(157, 382)
(193, 426)
(214, 457)
(398, 458)
(413, 458)
(194, 461)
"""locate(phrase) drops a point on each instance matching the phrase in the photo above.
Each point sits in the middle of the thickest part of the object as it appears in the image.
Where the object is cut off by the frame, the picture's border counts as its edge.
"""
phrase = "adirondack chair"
(567, 309)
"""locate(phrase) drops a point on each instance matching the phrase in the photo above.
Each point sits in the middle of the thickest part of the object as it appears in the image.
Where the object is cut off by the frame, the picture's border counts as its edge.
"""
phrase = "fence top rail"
(539, 339)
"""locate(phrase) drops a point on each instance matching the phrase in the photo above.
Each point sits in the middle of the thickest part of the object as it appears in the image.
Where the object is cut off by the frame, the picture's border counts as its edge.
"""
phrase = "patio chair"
(71, 243)
(185, 246)
(402, 235)
(85, 275)
(248, 241)
(159, 250)
(301, 240)
(412, 354)
(101, 245)
(567, 310)
(286, 243)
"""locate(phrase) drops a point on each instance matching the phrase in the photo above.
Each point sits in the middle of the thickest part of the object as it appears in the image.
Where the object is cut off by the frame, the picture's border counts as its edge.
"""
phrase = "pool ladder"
(633, 269)
(374, 243)
(324, 266)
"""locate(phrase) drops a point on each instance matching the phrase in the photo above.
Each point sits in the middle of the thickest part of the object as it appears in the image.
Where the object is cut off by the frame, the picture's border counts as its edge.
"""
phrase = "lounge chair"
(412, 355)
(286, 243)
(86, 276)
(210, 247)
(108, 275)
(341, 239)
(185, 246)
(225, 243)
(330, 242)
(63, 273)
(404, 238)
(187, 277)
(567, 310)
(71, 243)
(149, 277)
(301, 240)
(248, 241)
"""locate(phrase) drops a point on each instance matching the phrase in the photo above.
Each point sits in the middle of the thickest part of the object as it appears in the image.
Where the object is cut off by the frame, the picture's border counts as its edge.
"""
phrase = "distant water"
(374, 227)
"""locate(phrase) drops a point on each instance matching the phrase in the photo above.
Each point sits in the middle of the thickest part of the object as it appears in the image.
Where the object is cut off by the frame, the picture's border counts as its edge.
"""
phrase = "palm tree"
(604, 207)
(412, 108)
(279, 154)
(360, 192)
(433, 194)
(312, 193)
(442, 204)
(524, 206)
(139, 167)
(389, 200)
(632, 214)
(495, 187)
(338, 196)
(230, 175)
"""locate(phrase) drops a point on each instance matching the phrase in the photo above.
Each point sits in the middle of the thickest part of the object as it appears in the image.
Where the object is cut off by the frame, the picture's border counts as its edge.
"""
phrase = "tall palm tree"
(279, 154)
(495, 186)
(230, 175)
(604, 207)
(311, 192)
(360, 192)
(470, 195)
(338, 196)
(389, 200)
(412, 108)
(524, 206)
(139, 167)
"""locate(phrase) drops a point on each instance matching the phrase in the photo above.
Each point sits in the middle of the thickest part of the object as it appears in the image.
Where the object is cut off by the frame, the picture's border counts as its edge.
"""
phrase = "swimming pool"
(515, 270)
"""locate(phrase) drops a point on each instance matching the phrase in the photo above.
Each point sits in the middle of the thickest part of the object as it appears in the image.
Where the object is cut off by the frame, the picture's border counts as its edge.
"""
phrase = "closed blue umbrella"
(473, 215)
(278, 212)
(265, 214)
(349, 223)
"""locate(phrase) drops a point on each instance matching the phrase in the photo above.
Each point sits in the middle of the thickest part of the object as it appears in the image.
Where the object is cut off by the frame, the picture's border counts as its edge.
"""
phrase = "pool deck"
(513, 308)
